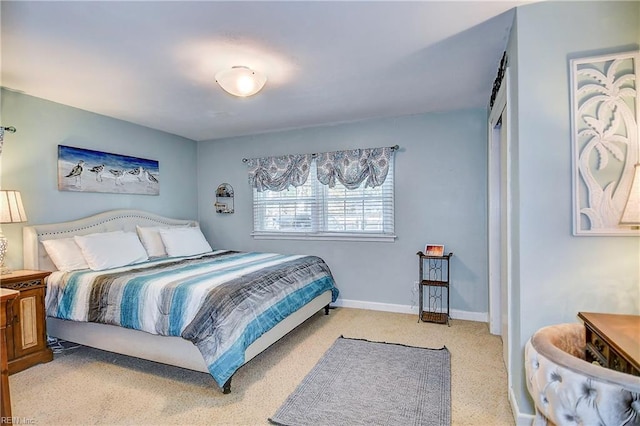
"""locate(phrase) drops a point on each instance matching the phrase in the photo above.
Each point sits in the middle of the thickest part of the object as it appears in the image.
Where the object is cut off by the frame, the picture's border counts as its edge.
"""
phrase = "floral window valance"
(350, 168)
(279, 173)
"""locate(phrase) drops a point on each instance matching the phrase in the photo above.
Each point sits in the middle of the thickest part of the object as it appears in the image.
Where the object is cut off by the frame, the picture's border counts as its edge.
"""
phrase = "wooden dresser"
(613, 341)
(26, 328)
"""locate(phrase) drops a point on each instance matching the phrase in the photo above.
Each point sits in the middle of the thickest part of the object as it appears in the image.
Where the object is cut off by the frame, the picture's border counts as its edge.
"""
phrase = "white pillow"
(65, 254)
(184, 241)
(150, 238)
(111, 249)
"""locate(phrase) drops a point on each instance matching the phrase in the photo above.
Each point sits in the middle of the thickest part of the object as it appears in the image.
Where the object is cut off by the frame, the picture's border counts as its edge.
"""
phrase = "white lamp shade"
(241, 81)
(11, 208)
(631, 212)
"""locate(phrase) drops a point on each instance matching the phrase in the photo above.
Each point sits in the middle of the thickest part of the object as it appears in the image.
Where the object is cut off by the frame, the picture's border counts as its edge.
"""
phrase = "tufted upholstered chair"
(567, 390)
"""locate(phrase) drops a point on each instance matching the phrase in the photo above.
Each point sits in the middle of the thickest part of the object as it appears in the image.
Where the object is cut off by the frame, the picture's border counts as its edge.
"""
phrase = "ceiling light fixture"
(241, 81)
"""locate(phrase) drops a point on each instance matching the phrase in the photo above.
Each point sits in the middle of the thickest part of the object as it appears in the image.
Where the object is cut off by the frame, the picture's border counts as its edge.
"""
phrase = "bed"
(197, 335)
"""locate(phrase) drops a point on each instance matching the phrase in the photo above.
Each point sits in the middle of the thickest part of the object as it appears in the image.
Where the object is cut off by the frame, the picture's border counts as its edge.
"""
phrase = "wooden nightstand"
(26, 328)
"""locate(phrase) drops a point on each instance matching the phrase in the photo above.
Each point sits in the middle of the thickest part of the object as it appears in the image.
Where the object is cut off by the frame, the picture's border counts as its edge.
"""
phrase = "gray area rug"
(358, 382)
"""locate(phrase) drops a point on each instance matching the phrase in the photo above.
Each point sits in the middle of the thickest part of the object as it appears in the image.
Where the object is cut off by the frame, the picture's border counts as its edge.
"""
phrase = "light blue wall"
(559, 274)
(440, 183)
(29, 164)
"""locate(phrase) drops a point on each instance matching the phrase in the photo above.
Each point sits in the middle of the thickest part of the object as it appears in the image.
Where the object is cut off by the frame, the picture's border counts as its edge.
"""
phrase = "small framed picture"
(434, 250)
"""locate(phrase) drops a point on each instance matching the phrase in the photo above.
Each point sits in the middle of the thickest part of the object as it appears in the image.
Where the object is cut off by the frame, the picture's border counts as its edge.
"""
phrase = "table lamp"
(11, 211)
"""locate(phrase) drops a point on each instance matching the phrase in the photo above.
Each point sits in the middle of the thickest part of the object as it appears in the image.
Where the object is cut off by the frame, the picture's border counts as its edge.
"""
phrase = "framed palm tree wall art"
(605, 139)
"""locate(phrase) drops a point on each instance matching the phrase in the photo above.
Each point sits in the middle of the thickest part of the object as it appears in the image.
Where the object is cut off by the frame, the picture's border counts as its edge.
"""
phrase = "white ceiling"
(152, 62)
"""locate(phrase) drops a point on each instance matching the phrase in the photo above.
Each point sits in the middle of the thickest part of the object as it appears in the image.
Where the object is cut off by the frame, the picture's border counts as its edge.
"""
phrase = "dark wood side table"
(6, 298)
(26, 332)
(613, 341)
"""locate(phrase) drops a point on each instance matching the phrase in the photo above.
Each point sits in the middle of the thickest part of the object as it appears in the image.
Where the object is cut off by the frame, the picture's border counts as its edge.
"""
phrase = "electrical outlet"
(414, 294)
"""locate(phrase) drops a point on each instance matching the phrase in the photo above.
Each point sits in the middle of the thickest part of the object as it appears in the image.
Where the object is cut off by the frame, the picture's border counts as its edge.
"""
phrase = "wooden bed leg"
(226, 388)
(326, 310)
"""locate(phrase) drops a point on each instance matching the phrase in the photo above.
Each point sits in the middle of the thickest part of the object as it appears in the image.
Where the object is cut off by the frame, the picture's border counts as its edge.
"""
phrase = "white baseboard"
(520, 418)
(406, 309)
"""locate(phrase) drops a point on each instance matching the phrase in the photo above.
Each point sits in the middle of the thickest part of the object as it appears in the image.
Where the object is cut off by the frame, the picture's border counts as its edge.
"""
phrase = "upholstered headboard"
(36, 257)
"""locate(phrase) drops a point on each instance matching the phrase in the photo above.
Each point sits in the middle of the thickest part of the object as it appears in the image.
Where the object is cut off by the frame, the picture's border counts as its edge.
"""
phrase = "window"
(316, 211)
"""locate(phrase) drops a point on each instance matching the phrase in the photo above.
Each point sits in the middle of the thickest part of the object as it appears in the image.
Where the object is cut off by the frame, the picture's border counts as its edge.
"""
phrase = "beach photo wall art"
(86, 170)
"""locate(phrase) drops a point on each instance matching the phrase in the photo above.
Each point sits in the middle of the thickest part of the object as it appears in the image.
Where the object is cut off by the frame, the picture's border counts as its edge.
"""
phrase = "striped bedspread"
(221, 301)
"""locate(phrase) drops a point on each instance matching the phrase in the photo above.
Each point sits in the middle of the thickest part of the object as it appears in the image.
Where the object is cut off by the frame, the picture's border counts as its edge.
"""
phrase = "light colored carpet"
(360, 382)
(88, 386)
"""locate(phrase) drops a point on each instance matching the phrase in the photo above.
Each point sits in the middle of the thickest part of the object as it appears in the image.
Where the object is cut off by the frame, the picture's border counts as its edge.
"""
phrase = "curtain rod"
(393, 148)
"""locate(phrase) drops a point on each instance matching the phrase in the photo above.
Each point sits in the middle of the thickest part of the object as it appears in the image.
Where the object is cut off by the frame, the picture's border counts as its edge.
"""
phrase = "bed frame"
(164, 349)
